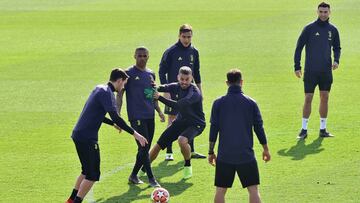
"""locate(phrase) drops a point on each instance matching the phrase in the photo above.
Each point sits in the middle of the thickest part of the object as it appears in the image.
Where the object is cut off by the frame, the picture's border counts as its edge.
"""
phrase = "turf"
(53, 53)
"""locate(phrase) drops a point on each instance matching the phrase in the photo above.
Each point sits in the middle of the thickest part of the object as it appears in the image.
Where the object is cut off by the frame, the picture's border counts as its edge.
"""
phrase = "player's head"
(185, 34)
(323, 11)
(234, 77)
(141, 56)
(118, 78)
(185, 77)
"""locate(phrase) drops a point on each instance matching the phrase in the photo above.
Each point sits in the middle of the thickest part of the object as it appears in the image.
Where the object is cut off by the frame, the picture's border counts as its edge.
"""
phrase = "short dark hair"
(118, 73)
(185, 28)
(234, 76)
(141, 48)
(185, 70)
(324, 5)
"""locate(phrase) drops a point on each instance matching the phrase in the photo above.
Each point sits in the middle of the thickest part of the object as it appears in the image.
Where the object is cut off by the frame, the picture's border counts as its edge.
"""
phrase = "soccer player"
(318, 38)
(183, 53)
(234, 116)
(85, 133)
(140, 110)
(189, 122)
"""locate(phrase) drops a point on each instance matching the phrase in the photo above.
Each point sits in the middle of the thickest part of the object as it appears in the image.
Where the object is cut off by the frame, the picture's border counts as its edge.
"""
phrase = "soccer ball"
(160, 195)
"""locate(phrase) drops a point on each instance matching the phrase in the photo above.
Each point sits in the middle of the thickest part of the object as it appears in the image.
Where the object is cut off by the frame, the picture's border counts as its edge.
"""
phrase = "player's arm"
(158, 109)
(164, 88)
(168, 102)
(197, 76)
(119, 100)
(260, 132)
(108, 121)
(336, 49)
(108, 102)
(122, 124)
(299, 47)
(214, 130)
(164, 67)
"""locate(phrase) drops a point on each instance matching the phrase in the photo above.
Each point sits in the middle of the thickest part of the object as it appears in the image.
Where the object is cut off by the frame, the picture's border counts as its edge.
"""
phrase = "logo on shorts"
(317, 34)
(179, 59)
(137, 78)
(177, 96)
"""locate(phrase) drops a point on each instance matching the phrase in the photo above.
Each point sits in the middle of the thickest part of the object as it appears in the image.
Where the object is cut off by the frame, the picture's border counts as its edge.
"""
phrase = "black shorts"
(176, 129)
(146, 128)
(312, 79)
(89, 155)
(247, 172)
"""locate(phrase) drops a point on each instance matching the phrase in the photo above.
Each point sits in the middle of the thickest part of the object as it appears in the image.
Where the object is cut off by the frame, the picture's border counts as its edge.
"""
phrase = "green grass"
(53, 53)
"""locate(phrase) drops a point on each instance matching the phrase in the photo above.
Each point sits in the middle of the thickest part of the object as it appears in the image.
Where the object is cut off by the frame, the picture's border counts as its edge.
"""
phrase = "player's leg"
(168, 136)
(307, 106)
(82, 149)
(194, 154)
(188, 134)
(186, 152)
(74, 192)
(220, 195)
(185, 148)
(249, 178)
(254, 195)
(324, 87)
(310, 82)
(169, 151)
(140, 127)
(323, 108)
(85, 187)
(91, 169)
(154, 152)
(150, 125)
(224, 178)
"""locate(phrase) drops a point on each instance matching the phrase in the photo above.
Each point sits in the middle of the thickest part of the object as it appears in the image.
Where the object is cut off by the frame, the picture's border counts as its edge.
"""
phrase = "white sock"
(322, 123)
(305, 123)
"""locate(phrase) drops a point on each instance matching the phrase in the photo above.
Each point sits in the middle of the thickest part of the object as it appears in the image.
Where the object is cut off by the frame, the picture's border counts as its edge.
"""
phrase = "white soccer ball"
(160, 195)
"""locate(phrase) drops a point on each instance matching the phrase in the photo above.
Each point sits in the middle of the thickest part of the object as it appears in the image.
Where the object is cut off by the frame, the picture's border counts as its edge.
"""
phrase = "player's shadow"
(160, 171)
(301, 150)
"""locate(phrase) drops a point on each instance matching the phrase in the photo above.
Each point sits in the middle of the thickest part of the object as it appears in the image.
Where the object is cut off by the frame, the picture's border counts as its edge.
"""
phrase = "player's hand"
(156, 95)
(298, 73)
(266, 155)
(335, 66)
(162, 117)
(212, 159)
(142, 140)
(117, 128)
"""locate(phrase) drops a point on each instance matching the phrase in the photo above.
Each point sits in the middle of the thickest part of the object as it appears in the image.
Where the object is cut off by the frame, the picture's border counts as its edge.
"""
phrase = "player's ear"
(227, 83)
(241, 83)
